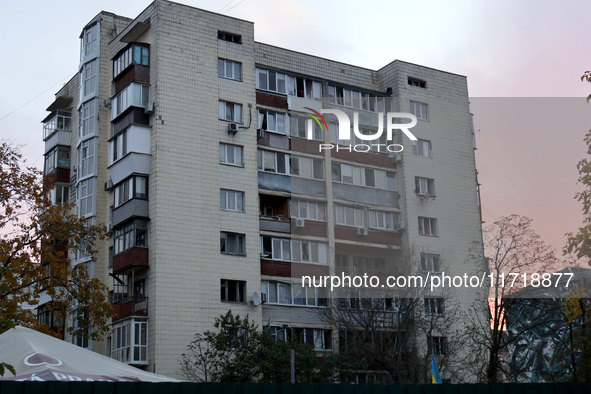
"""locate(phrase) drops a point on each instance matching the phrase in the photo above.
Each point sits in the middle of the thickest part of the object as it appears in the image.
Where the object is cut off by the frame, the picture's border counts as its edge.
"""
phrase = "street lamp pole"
(292, 355)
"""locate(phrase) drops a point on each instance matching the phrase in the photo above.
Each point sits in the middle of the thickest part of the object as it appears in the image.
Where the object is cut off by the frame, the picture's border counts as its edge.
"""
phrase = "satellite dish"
(256, 300)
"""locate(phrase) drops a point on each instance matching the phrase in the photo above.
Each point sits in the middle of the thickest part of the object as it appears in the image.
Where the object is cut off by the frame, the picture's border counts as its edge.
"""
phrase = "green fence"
(8, 387)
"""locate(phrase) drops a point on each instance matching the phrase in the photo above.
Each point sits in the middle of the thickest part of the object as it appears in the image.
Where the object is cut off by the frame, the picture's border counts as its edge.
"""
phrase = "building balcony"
(131, 306)
(277, 224)
(136, 257)
(58, 175)
(133, 208)
(57, 121)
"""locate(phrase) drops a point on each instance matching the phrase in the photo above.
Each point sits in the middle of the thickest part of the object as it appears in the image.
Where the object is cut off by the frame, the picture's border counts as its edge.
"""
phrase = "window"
(309, 252)
(61, 120)
(310, 210)
(233, 290)
(271, 161)
(230, 37)
(424, 186)
(355, 99)
(349, 216)
(273, 121)
(270, 80)
(417, 82)
(437, 345)
(277, 292)
(89, 79)
(232, 243)
(427, 226)
(420, 110)
(87, 123)
(129, 343)
(434, 306)
(303, 87)
(58, 157)
(231, 200)
(229, 69)
(118, 146)
(421, 148)
(89, 43)
(86, 197)
(275, 248)
(309, 296)
(129, 235)
(430, 262)
(134, 54)
(382, 219)
(231, 154)
(300, 128)
(319, 338)
(86, 158)
(133, 187)
(230, 111)
(361, 176)
(374, 145)
(307, 167)
(60, 194)
(133, 95)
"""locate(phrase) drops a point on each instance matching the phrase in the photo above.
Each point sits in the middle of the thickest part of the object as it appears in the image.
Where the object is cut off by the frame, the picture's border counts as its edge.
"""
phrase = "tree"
(36, 237)
(512, 249)
(392, 335)
(237, 351)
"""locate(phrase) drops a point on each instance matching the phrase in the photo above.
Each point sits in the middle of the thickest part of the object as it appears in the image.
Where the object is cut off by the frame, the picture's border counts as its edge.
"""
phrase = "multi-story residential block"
(194, 145)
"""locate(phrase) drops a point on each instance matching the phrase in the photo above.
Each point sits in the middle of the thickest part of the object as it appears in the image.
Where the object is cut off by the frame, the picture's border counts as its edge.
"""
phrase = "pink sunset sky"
(523, 60)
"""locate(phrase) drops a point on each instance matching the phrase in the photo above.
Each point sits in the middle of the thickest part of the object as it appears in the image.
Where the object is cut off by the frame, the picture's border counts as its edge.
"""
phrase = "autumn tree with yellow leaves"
(36, 237)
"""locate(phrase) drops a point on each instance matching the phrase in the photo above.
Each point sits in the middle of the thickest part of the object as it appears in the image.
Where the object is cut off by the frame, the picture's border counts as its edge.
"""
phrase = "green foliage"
(237, 351)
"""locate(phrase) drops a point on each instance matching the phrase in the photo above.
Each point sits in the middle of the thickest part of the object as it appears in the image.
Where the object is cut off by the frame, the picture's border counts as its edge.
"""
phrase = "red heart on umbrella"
(40, 358)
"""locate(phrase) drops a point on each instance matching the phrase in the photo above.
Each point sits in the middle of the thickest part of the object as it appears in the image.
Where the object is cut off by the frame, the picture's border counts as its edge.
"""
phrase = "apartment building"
(195, 146)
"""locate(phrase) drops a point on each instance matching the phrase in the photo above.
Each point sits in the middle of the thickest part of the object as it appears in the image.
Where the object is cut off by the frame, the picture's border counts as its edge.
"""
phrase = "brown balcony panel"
(274, 140)
(381, 159)
(302, 269)
(61, 175)
(311, 227)
(134, 73)
(271, 100)
(304, 145)
(131, 306)
(132, 115)
(276, 268)
(374, 236)
(130, 258)
(276, 225)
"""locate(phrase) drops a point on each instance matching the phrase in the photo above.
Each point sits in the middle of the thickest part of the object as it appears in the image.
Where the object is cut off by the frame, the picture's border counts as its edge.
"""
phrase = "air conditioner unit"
(400, 226)
(108, 185)
(300, 222)
(260, 133)
(149, 108)
(232, 128)
(109, 227)
(263, 298)
(362, 231)
(107, 102)
(396, 158)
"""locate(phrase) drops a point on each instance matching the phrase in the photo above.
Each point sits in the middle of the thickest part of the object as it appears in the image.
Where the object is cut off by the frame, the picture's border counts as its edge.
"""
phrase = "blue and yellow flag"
(435, 378)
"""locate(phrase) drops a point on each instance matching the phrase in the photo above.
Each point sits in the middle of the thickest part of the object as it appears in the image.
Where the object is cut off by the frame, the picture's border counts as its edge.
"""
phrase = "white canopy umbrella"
(36, 356)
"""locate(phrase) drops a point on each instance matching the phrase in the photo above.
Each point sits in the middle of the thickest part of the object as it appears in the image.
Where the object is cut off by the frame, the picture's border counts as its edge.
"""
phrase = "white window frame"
(237, 154)
(87, 158)
(264, 156)
(267, 78)
(428, 226)
(309, 296)
(86, 191)
(90, 40)
(278, 292)
(422, 148)
(231, 112)
(87, 118)
(299, 128)
(89, 79)
(438, 345)
(420, 110)
(125, 344)
(133, 95)
(307, 167)
(431, 262)
(118, 147)
(231, 200)
(230, 69)
(316, 252)
(346, 215)
(424, 186)
(309, 210)
(434, 306)
(277, 122)
(382, 220)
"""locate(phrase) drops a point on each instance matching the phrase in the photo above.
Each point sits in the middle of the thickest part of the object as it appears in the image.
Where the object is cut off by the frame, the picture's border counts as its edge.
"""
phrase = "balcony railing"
(131, 306)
